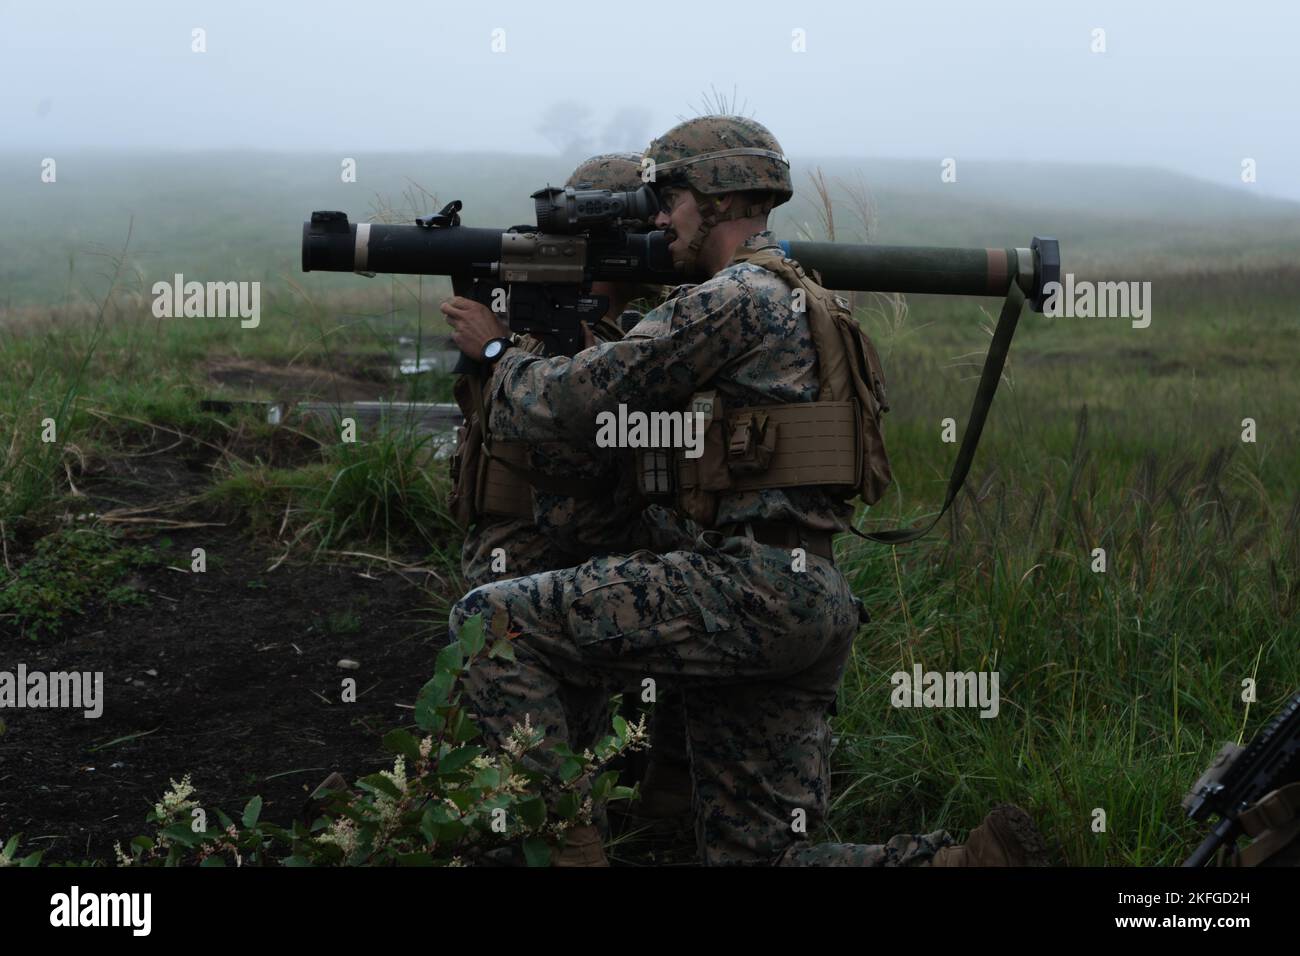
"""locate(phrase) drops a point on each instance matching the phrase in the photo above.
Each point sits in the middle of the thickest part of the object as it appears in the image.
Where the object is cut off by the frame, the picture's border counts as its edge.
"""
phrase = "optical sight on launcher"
(540, 276)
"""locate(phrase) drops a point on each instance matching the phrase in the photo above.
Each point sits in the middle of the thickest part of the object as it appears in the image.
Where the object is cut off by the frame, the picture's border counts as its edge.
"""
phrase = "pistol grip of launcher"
(469, 288)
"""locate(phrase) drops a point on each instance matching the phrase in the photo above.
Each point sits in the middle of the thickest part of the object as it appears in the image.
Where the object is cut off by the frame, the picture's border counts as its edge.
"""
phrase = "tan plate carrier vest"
(835, 441)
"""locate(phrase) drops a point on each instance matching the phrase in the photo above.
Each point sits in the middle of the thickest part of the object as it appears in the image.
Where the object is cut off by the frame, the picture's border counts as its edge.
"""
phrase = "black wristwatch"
(495, 349)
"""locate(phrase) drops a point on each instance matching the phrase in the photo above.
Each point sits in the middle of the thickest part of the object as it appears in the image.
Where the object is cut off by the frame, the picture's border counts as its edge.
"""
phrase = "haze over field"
(238, 215)
(1194, 87)
(1140, 139)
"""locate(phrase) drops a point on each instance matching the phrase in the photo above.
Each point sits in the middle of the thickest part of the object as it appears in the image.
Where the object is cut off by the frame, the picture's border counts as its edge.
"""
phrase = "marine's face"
(679, 217)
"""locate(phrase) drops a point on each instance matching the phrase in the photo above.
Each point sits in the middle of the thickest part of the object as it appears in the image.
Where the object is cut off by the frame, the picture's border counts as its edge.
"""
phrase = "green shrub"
(68, 571)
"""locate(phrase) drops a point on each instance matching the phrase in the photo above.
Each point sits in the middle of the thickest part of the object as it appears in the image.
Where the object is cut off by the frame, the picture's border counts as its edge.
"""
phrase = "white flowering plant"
(448, 801)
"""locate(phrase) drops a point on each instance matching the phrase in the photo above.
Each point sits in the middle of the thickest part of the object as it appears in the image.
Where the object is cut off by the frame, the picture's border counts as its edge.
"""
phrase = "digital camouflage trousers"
(500, 548)
(755, 642)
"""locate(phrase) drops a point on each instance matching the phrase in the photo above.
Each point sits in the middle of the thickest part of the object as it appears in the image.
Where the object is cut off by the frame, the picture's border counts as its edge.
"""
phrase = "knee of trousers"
(476, 601)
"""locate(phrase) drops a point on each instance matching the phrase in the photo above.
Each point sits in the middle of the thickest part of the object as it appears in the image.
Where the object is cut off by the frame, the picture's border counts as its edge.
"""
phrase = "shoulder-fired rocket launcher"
(541, 275)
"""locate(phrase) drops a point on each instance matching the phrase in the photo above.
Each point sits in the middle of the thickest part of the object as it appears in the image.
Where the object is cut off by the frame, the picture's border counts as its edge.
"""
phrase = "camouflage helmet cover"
(620, 172)
(722, 154)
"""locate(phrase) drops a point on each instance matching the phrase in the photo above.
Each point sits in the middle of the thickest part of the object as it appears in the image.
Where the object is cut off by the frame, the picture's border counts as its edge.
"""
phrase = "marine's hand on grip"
(473, 325)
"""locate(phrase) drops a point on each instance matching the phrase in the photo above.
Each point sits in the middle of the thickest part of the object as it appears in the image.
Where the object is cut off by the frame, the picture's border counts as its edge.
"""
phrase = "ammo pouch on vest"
(482, 481)
(835, 441)
(490, 477)
(506, 482)
(495, 479)
(503, 490)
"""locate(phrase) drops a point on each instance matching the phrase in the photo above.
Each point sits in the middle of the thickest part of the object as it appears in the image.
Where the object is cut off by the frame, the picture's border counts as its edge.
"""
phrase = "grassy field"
(1117, 687)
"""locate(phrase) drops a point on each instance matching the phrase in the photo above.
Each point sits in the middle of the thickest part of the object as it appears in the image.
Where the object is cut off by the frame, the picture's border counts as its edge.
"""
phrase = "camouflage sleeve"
(557, 399)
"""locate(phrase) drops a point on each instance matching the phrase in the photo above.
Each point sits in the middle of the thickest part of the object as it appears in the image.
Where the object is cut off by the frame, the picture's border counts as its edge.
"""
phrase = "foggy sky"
(1194, 87)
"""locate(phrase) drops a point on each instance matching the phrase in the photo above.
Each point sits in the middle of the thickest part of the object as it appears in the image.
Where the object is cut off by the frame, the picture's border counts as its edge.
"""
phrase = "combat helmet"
(722, 154)
(620, 172)
(715, 155)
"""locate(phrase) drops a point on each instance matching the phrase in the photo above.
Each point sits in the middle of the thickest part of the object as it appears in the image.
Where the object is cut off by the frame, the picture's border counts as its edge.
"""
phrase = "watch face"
(493, 349)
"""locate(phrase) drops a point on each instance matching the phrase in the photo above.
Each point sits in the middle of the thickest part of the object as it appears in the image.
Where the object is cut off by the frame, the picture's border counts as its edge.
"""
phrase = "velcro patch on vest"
(816, 444)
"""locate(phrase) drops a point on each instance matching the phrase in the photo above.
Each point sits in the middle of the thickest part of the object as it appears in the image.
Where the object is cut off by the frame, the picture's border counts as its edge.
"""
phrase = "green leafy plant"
(10, 848)
(69, 570)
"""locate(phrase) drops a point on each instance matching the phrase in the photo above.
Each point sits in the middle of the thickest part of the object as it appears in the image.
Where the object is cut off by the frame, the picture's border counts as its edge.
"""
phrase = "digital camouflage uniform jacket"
(756, 641)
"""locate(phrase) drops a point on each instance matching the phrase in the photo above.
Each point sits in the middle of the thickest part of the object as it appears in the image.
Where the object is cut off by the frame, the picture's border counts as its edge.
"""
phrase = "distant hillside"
(1107, 217)
(238, 215)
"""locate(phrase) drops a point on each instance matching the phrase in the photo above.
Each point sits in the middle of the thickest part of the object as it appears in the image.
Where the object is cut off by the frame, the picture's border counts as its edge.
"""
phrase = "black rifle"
(1241, 776)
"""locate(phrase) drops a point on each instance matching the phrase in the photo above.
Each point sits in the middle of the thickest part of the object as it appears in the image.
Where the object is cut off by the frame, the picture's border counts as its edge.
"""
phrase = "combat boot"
(583, 846)
(1007, 837)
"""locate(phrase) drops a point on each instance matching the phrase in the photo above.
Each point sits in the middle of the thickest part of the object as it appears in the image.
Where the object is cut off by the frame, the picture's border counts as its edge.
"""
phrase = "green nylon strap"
(988, 386)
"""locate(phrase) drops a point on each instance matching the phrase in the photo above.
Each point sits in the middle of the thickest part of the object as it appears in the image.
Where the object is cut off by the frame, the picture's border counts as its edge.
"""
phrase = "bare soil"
(230, 675)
